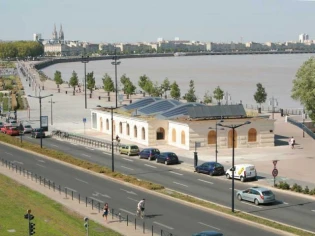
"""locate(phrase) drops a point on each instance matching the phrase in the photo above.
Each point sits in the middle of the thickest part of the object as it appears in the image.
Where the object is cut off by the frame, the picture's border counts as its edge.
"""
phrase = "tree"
(218, 94)
(156, 90)
(90, 82)
(175, 91)
(165, 86)
(303, 87)
(123, 80)
(149, 87)
(142, 81)
(190, 95)
(74, 81)
(260, 96)
(207, 98)
(129, 88)
(108, 83)
(57, 78)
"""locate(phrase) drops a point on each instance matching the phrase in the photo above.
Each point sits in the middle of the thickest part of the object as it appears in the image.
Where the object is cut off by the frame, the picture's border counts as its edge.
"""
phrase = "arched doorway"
(183, 138)
(120, 127)
(101, 124)
(174, 135)
(252, 135)
(230, 142)
(128, 129)
(135, 132)
(107, 124)
(160, 134)
(143, 133)
(212, 136)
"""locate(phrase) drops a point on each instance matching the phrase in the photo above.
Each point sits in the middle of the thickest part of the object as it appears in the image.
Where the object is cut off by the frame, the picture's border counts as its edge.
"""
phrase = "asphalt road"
(288, 209)
(162, 213)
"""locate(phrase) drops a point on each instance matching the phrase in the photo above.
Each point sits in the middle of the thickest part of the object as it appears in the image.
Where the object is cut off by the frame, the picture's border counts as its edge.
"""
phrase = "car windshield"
(267, 193)
(218, 165)
(27, 126)
(12, 121)
(134, 147)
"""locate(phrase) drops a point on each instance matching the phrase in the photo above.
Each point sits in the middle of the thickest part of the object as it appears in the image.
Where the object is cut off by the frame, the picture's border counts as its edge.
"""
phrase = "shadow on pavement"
(281, 140)
(152, 216)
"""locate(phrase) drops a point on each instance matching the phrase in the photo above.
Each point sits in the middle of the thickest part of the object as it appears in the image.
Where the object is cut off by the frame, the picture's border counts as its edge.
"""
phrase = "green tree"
(165, 86)
(218, 94)
(156, 90)
(149, 87)
(129, 88)
(90, 80)
(108, 83)
(190, 95)
(124, 80)
(142, 81)
(58, 78)
(74, 81)
(304, 87)
(207, 98)
(175, 91)
(260, 96)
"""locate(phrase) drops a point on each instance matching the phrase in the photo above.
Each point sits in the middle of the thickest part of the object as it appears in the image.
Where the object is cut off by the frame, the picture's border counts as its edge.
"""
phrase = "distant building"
(37, 37)
(303, 38)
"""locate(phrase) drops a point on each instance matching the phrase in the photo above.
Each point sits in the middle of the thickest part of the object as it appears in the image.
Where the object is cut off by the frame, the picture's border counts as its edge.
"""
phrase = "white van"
(243, 172)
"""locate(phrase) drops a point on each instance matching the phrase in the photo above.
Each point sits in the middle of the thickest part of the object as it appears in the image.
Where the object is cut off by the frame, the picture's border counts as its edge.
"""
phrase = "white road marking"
(9, 153)
(71, 189)
(42, 161)
(150, 166)
(75, 144)
(127, 211)
(175, 173)
(81, 181)
(180, 184)
(205, 181)
(96, 194)
(235, 189)
(208, 226)
(54, 145)
(313, 210)
(130, 192)
(95, 199)
(285, 203)
(126, 167)
(41, 165)
(135, 200)
(18, 162)
(160, 224)
(127, 159)
(92, 149)
(251, 204)
(85, 155)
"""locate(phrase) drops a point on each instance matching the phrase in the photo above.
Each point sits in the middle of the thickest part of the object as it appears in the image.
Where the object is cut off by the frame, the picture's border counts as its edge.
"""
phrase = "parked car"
(149, 153)
(1, 124)
(5, 128)
(13, 131)
(208, 233)
(167, 158)
(13, 122)
(210, 168)
(27, 129)
(243, 172)
(129, 149)
(257, 195)
(37, 133)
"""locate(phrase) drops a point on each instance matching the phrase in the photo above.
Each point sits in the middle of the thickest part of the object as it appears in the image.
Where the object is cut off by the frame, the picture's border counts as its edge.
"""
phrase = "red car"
(5, 128)
(13, 131)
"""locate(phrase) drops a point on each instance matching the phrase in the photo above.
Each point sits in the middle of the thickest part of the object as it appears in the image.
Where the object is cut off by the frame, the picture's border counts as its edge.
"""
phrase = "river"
(235, 74)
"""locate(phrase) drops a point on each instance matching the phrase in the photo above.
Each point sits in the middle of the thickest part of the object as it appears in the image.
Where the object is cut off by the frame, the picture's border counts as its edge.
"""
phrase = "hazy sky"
(147, 20)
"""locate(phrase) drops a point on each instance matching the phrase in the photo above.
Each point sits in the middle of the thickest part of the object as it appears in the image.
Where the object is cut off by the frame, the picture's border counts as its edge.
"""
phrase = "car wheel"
(149, 158)
(256, 202)
(227, 176)
(242, 179)
(157, 161)
(166, 163)
(211, 173)
(140, 157)
(239, 197)
(197, 170)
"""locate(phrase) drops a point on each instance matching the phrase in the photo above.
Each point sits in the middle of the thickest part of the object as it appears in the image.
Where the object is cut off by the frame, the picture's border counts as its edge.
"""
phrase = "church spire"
(54, 34)
(61, 34)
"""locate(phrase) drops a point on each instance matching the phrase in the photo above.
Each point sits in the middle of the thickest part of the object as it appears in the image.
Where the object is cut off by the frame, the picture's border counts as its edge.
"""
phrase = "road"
(288, 209)
(163, 213)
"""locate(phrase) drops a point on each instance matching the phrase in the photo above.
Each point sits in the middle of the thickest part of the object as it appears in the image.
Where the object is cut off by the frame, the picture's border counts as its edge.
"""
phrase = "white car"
(243, 172)
(27, 129)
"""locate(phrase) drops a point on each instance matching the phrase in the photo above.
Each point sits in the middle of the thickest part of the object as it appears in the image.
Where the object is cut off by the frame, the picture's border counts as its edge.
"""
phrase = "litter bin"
(195, 159)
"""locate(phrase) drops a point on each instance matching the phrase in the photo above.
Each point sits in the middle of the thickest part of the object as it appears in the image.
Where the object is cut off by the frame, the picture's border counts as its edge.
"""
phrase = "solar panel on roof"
(156, 107)
(217, 111)
(140, 103)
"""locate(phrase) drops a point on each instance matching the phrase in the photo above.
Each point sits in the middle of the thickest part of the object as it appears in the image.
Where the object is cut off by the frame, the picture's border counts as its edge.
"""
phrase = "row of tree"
(20, 49)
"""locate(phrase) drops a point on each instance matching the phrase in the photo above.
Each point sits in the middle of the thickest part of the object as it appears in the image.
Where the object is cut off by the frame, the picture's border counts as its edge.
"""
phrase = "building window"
(183, 139)
(212, 137)
(101, 124)
(135, 134)
(94, 120)
(107, 124)
(252, 135)
(173, 135)
(120, 127)
(143, 133)
(128, 129)
(160, 134)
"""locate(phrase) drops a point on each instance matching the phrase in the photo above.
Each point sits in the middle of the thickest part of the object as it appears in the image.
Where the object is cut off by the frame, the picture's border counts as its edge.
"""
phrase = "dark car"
(37, 133)
(167, 158)
(149, 153)
(208, 233)
(210, 168)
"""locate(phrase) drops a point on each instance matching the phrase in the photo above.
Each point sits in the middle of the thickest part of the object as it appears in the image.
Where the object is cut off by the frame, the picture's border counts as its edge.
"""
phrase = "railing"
(301, 126)
(132, 221)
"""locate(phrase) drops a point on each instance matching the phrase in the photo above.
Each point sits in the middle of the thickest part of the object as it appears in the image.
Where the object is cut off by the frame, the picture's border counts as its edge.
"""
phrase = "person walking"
(105, 211)
(292, 142)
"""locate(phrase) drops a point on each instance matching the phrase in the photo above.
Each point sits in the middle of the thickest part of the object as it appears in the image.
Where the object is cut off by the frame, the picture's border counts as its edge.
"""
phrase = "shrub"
(312, 192)
(297, 188)
(306, 190)
(284, 185)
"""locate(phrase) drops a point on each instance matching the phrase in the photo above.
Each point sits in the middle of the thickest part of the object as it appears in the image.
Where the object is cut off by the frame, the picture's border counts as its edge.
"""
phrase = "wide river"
(237, 75)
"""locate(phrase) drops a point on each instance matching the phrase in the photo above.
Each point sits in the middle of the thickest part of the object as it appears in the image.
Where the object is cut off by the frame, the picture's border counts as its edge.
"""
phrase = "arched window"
(212, 137)
(173, 135)
(120, 127)
(101, 124)
(128, 129)
(252, 135)
(160, 134)
(143, 133)
(183, 140)
(107, 124)
(135, 132)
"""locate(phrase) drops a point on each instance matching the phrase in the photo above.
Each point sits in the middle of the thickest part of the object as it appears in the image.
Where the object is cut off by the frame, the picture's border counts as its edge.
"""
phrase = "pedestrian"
(105, 211)
(292, 142)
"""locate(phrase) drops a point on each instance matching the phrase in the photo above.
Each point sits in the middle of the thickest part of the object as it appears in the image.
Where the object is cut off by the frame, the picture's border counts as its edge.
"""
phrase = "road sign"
(275, 162)
(84, 120)
(275, 172)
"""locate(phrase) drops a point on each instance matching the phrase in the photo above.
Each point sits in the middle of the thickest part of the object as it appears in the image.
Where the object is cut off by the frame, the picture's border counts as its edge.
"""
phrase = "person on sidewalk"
(105, 211)
(292, 142)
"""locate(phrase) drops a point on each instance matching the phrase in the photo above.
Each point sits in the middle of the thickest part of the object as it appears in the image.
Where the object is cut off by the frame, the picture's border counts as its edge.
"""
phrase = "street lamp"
(216, 138)
(233, 127)
(116, 63)
(40, 115)
(51, 110)
(85, 59)
(112, 120)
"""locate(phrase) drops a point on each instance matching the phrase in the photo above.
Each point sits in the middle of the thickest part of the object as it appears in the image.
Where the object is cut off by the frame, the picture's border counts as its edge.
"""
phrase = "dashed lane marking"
(175, 173)
(126, 167)
(163, 225)
(41, 165)
(150, 166)
(85, 155)
(251, 204)
(135, 200)
(205, 181)
(126, 159)
(180, 184)
(210, 226)
(10, 154)
(129, 212)
(81, 181)
(71, 189)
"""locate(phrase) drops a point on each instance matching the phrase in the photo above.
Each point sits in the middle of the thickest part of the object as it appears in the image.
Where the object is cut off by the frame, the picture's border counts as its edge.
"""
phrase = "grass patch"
(51, 218)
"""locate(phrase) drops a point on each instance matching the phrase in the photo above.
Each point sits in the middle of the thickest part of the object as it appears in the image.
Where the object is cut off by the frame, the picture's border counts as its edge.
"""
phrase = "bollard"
(27, 174)
(6, 163)
(99, 207)
(143, 227)
(119, 216)
(23, 172)
(59, 189)
(127, 220)
(40, 180)
(135, 223)
(44, 182)
(92, 204)
(85, 201)
(20, 169)
(31, 176)
(66, 192)
(79, 198)
(112, 213)
(72, 195)
(152, 230)
(54, 186)
(36, 178)
(161, 232)
(9, 165)
(49, 184)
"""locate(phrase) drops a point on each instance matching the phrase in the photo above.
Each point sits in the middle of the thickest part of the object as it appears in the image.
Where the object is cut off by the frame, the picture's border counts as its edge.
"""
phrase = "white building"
(303, 37)
(37, 37)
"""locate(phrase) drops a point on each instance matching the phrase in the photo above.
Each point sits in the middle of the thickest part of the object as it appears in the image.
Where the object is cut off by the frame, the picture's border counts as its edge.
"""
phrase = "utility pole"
(112, 119)
(85, 59)
(116, 63)
(227, 97)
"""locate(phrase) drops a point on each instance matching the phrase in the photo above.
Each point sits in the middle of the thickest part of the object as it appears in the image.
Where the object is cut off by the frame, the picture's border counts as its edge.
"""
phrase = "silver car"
(257, 195)
(27, 129)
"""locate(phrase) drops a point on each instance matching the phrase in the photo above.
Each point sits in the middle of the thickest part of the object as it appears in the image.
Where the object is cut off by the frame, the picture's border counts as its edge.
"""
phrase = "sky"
(146, 20)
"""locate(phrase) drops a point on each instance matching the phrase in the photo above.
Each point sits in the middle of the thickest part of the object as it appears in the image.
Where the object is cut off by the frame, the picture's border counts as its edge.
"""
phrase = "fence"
(301, 126)
(133, 222)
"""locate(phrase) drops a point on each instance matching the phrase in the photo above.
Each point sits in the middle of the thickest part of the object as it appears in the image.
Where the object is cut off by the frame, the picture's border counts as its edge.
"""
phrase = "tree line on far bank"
(20, 49)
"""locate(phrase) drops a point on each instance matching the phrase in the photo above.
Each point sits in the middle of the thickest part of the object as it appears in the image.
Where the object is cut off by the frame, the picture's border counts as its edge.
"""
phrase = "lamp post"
(40, 115)
(116, 63)
(85, 59)
(51, 111)
(216, 138)
(233, 127)
(112, 120)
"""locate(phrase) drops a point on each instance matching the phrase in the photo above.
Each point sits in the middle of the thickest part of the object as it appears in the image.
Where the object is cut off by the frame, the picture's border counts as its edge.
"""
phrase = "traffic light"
(29, 216)
(32, 228)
